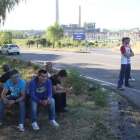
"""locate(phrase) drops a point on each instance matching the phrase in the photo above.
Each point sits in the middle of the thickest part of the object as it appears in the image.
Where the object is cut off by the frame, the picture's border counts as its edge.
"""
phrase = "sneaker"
(0, 123)
(131, 79)
(53, 122)
(35, 126)
(21, 127)
(129, 86)
(121, 88)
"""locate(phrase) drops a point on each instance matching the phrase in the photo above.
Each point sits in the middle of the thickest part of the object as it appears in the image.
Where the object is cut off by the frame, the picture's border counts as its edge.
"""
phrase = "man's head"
(42, 76)
(123, 39)
(6, 68)
(127, 40)
(61, 75)
(14, 75)
(48, 66)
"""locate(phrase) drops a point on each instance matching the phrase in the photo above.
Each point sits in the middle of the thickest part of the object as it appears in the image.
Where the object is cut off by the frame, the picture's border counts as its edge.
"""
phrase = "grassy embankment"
(85, 120)
(22, 42)
(135, 47)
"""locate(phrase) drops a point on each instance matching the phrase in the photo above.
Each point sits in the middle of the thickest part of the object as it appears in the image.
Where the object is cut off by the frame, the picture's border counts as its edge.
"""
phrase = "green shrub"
(76, 80)
(118, 43)
(35, 66)
(100, 97)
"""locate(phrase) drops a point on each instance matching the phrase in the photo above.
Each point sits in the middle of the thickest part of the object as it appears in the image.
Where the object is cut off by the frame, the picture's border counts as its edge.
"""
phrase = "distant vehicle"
(9, 49)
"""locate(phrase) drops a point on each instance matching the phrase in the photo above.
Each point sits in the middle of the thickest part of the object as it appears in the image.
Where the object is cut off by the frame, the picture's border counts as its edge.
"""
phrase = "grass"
(85, 121)
(135, 48)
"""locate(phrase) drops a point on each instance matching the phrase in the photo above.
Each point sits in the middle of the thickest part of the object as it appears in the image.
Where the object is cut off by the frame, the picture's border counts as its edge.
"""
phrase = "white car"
(9, 49)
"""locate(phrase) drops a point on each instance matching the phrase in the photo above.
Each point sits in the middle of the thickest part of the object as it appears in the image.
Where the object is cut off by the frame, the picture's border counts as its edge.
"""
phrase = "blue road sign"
(78, 36)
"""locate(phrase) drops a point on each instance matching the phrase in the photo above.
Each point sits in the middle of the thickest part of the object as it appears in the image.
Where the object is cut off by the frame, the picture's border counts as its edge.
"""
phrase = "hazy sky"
(39, 14)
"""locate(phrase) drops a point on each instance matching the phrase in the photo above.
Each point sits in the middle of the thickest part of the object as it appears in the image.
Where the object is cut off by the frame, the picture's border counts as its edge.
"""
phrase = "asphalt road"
(99, 66)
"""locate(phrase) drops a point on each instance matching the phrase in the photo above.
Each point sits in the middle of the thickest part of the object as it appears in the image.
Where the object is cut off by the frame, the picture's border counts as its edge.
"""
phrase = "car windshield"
(13, 46)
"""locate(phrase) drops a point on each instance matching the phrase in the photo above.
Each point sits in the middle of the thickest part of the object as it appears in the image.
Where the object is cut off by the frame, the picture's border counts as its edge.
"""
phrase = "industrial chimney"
(57, 11)
(79, 16)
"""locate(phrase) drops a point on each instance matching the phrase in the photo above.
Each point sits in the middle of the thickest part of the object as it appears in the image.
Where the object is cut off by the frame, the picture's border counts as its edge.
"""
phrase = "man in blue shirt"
(40, 90)
(17, 87)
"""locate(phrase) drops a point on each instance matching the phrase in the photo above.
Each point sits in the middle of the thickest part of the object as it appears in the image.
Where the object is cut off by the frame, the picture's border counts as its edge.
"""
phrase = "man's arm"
(128, 54)
(3, 96)
(32, 93)
(55, 90)
(23, 95)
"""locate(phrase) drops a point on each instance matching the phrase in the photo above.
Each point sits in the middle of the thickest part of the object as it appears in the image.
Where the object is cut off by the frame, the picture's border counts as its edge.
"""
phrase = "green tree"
(30, 42)
(38, 41)
(5, 37)
(43, 41)
(7, 5)
(54, 33)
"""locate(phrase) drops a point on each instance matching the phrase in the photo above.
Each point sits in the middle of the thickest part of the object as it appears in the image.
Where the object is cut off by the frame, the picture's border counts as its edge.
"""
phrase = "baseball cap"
(48, 63)
(14, 73)
(6, 67)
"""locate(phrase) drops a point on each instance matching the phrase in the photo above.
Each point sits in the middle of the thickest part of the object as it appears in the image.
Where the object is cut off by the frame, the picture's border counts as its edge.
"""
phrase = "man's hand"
(43, 102)
(67, 89)
(6, 101)
(49, 101)
(11, 102)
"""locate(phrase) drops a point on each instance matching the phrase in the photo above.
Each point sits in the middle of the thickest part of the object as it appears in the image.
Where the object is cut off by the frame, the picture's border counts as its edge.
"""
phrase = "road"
(100, 66)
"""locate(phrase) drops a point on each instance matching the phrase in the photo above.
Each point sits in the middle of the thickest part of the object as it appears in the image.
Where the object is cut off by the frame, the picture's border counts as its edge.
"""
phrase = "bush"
(76, 80)
(100, 97)
(35, 66)
(118, 43)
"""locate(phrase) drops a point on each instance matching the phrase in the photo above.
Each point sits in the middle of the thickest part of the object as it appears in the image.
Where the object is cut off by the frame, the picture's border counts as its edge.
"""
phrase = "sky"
(39, 14)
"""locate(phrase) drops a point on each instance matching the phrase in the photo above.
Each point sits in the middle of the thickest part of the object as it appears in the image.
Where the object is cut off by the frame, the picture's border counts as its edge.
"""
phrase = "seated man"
(17, 86)
(6, 76)
(48, 68)
(59, 93)
(40, 90)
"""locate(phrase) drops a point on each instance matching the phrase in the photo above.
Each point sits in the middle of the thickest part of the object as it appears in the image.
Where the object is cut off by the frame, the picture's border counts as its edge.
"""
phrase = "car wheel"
(7, 53)
(18, 53)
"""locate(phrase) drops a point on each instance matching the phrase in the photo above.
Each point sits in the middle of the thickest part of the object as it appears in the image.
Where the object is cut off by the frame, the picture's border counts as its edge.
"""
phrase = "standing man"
(126, 53)
(6, 76)
(59, 93)
(40, 90)
(17, 86)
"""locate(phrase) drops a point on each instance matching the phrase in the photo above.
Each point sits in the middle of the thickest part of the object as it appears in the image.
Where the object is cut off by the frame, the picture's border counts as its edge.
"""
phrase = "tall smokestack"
(57, 11)
(79, 16)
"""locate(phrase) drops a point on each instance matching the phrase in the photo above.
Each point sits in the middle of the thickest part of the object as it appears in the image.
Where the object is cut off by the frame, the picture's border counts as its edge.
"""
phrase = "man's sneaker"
(131, 79)
(0, 123)
(53, 122)
(121, 88)
(21, 127)
(35, 126)
(129, 86)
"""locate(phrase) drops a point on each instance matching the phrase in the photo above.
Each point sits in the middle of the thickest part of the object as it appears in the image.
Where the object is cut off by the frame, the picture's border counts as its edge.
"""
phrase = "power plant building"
(91, 33)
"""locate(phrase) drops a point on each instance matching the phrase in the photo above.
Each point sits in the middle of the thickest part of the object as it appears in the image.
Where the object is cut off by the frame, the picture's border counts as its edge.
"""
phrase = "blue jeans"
(125, 71)
(33, 110)
(22, 108)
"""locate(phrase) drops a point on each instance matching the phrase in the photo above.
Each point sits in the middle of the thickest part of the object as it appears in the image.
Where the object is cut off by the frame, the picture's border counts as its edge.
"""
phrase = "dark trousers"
(60, 101)
(129, 76)
(125, 71)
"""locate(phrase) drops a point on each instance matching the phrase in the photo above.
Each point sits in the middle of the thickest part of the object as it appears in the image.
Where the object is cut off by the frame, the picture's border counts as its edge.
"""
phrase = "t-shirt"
(39, 92)
(54, 80)
(17, 88)
(124, 59)
(5, 77)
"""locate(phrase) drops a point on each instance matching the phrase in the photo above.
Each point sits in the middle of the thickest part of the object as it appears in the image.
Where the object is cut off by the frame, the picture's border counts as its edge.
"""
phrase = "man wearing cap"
(17, 87)
(48, 68)
(6, 76)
